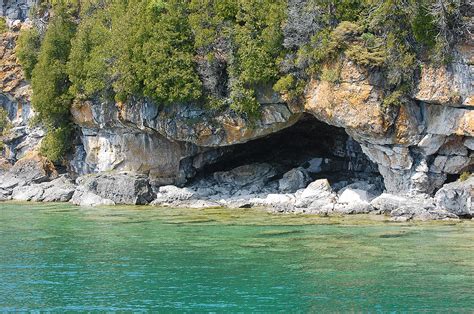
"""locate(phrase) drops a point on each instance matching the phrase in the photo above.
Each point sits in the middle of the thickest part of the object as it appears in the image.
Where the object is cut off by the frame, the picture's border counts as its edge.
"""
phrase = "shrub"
(366, 56)
(27, 50)
(4, 125)
(56, 143)
(331, 74)
(3, 25)
(394, 99)
(4, 122)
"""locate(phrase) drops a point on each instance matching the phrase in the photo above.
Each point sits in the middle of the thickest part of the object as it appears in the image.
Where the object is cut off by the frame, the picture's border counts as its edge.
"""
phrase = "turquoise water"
(57, 257)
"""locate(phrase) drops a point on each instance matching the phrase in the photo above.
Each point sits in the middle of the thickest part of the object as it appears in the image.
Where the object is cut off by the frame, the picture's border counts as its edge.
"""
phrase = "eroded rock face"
(16, 9)
(168, 144)
(417, 145)
(15, 94)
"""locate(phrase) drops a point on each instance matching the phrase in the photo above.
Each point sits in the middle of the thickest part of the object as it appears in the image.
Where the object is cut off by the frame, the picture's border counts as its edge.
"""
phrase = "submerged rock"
(87, 198)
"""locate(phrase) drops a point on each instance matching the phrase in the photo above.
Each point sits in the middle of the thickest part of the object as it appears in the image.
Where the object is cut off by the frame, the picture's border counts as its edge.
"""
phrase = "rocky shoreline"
(255, 185)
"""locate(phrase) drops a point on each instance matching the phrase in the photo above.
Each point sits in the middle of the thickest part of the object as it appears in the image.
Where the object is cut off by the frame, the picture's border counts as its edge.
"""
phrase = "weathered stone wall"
(15, 94)
(16, 9)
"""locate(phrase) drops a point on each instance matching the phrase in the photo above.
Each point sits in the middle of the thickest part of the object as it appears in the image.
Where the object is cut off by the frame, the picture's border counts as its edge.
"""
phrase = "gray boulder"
(386, 202)
(415, 212)
(58, 190)
(279, 202)
(121, 188)
(32, 169)
(172, 195)
(294, 180)
(457, 197)
(256, 174)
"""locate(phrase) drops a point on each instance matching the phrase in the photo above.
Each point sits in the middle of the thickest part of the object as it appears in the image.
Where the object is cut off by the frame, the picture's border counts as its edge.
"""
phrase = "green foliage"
(4, 125)
(3, 25)
(4, 122)
(169, 74)
(423, 27)
(87, 66)
(56, 143)
(394, 99)
(244, 101)
(27, 50)
(50, 81)
(154, 48)
(331, 74)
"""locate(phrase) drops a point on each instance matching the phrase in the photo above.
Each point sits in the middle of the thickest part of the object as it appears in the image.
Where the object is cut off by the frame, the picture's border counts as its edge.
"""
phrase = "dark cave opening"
(323, 150)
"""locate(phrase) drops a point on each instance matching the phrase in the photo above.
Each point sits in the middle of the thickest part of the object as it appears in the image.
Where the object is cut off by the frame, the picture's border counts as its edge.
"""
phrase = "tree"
(27, 50)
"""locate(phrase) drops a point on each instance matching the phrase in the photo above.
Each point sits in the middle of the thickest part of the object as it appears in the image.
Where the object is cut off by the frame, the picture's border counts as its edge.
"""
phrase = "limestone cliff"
(416, 147)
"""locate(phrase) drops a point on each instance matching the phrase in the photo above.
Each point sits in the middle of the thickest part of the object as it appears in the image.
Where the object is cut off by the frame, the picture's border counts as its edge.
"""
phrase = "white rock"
(431, 143)
(27, 193)
(354, 196)
(89, 199)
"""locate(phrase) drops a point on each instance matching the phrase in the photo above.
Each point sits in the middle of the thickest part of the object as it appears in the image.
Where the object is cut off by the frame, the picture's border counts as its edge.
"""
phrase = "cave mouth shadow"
(326, 151)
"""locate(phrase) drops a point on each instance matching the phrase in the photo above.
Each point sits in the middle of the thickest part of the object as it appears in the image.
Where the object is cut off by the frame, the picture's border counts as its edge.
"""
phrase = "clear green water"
(57, 257)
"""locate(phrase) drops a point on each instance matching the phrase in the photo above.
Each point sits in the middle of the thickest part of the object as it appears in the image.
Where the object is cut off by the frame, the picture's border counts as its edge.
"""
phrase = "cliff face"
(416, 146)
(15, 95)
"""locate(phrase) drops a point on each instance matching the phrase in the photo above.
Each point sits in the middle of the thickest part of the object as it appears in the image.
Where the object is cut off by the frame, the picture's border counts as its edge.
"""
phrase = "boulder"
(410, 207)
(254, 174)
(89, 199)
(121, 188)
(28, 193)
(354, 201)
(172, 195)
(294, 180)
(279, 202)
(58, 190)
(386, 203)
(457, 197)
(416, 212)
(318, 197)
(33, 169)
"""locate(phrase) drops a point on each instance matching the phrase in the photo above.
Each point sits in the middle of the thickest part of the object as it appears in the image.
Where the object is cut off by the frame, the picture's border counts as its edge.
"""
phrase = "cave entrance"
(323, 150)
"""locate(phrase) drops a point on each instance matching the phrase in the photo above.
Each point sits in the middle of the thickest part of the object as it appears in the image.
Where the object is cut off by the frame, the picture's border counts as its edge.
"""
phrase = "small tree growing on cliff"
(27, 50)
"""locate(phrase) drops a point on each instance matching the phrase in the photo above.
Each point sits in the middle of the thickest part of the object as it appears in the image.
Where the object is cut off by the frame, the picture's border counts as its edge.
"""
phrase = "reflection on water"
(57, 257)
